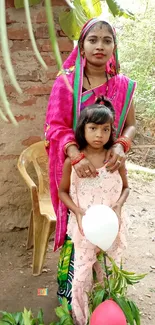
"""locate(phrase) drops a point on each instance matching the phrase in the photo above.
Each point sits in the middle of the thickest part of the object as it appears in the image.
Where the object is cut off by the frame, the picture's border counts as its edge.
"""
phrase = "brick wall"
(29, 108)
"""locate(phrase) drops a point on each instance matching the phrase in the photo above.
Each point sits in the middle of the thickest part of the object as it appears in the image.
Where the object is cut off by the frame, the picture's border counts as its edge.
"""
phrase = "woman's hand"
(115, 157)
(84, 168)
(79, 215)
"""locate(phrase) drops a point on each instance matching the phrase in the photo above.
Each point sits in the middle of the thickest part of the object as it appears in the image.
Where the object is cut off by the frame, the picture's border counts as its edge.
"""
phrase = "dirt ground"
(18, 288)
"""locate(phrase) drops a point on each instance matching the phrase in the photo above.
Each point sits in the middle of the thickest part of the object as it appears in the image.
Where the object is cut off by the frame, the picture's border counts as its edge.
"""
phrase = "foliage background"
(136, 42)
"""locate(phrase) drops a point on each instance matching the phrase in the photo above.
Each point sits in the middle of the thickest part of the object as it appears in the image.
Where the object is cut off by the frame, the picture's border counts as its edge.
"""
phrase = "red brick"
(48, 58)
(38, 89)
(41, 17)
(64, 56)
(60, 33)
(33, 139)
(64, 45)
(9, 20)
(21, 46)
(18, 33)
(42, 32)
(58, 2)
(10, 89)
(25, 117)
(28, 76)
(8, 157)
(9, 3)
(51, 75)
(28, 102)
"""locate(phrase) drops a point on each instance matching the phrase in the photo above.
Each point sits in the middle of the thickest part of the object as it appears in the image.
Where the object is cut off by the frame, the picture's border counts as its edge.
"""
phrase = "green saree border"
(85, 97)
(76, 89)
(131, 86)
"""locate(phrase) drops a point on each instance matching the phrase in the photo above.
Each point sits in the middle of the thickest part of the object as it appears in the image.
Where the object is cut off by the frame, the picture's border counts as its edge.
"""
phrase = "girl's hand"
(115, 157)
(79, 215)
(84, 168)
(117, 209)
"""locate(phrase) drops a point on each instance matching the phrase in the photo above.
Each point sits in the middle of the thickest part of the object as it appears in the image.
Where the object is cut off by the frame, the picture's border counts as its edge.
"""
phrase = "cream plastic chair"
(42, 219)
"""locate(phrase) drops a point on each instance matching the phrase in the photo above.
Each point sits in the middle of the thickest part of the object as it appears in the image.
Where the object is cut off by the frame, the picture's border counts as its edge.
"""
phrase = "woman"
(92, 71)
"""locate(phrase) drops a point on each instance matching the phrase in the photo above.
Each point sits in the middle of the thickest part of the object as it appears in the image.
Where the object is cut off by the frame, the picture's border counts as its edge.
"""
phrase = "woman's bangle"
(125, 142)
(67, 145)
(76, 160)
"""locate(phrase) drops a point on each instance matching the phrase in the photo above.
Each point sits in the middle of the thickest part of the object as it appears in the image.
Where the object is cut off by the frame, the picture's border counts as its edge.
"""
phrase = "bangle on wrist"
(67, 145)
(78, 158)
(125, 142)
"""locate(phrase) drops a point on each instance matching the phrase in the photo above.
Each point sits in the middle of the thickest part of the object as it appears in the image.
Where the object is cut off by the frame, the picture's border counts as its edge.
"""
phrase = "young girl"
(94, 136)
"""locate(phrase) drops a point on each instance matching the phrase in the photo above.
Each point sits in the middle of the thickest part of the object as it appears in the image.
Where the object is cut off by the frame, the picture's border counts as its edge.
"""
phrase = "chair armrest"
(28, 180)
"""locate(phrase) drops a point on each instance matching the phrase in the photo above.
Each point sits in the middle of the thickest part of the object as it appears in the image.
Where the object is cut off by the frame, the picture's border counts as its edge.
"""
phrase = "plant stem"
(31, 34)
(5, 47)
(106, 271)
(53, 40)
(5, 101)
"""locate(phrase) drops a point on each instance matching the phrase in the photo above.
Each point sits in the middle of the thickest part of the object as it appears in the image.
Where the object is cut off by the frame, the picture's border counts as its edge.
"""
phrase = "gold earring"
(82, 54)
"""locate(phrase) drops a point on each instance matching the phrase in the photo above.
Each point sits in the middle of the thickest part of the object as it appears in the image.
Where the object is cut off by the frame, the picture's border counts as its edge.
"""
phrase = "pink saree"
(62, 113)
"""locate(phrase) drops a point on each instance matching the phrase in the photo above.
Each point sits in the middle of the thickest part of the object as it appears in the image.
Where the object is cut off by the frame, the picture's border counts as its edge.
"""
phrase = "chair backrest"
(37, 155)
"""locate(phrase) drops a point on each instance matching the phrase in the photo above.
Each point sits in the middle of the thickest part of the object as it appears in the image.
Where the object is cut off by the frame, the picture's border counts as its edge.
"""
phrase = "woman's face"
(98, 45)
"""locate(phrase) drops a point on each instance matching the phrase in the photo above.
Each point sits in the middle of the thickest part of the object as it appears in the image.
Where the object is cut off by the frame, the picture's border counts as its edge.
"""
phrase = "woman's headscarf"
(76, 59)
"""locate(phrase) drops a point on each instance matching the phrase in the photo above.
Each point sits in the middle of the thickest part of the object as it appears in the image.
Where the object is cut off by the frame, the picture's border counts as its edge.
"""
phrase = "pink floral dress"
(105, 189)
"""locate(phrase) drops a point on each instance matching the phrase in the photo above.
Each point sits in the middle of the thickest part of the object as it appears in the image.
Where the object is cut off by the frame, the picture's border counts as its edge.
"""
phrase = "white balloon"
(100, 226)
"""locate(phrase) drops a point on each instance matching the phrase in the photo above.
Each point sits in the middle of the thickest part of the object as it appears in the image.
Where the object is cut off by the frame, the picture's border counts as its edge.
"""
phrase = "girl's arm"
(125, 189)
(64, 187)
(125, 192)
(65, 197)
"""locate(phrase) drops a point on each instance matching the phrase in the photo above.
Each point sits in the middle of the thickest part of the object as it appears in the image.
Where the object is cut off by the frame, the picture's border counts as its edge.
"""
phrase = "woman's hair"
(99, 113)
(99, 24)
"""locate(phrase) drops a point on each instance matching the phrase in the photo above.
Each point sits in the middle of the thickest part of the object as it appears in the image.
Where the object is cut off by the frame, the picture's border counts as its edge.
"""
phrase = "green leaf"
(125, 308)
(60, 312)
(65, 320)
(135, 311)
(65, 305)
(18, 318)
(72, 21)
(20, 3)
(3, 323)
(7, 317)
(40, 317)
(97, 10)
(27, 316)
(98, 298)
(116, 9)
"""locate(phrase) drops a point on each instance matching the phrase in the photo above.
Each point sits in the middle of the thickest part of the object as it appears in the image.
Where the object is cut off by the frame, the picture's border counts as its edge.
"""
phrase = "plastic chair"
(42, 219)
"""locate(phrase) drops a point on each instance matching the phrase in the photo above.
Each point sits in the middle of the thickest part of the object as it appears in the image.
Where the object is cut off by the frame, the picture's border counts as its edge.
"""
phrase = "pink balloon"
(108, 313)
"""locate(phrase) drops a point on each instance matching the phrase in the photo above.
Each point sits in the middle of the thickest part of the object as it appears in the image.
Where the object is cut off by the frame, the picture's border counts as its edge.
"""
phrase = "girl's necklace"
(91, 88)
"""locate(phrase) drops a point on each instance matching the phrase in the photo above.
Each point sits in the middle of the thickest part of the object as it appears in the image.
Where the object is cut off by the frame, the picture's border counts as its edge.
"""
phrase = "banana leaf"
(96, 9)
(72, 21)
(117, 10)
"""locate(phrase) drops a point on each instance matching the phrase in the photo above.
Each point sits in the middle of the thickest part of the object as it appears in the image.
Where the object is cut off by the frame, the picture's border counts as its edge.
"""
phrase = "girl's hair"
(99, 24)
(99, 113)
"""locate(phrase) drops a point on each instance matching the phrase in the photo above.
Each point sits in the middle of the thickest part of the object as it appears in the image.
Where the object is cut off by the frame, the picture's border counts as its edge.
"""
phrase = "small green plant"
(114, 286)
(21, 318)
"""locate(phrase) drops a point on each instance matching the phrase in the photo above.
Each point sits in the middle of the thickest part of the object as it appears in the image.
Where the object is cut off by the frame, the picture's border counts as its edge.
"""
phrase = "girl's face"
(98, 45)
(97, 135)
